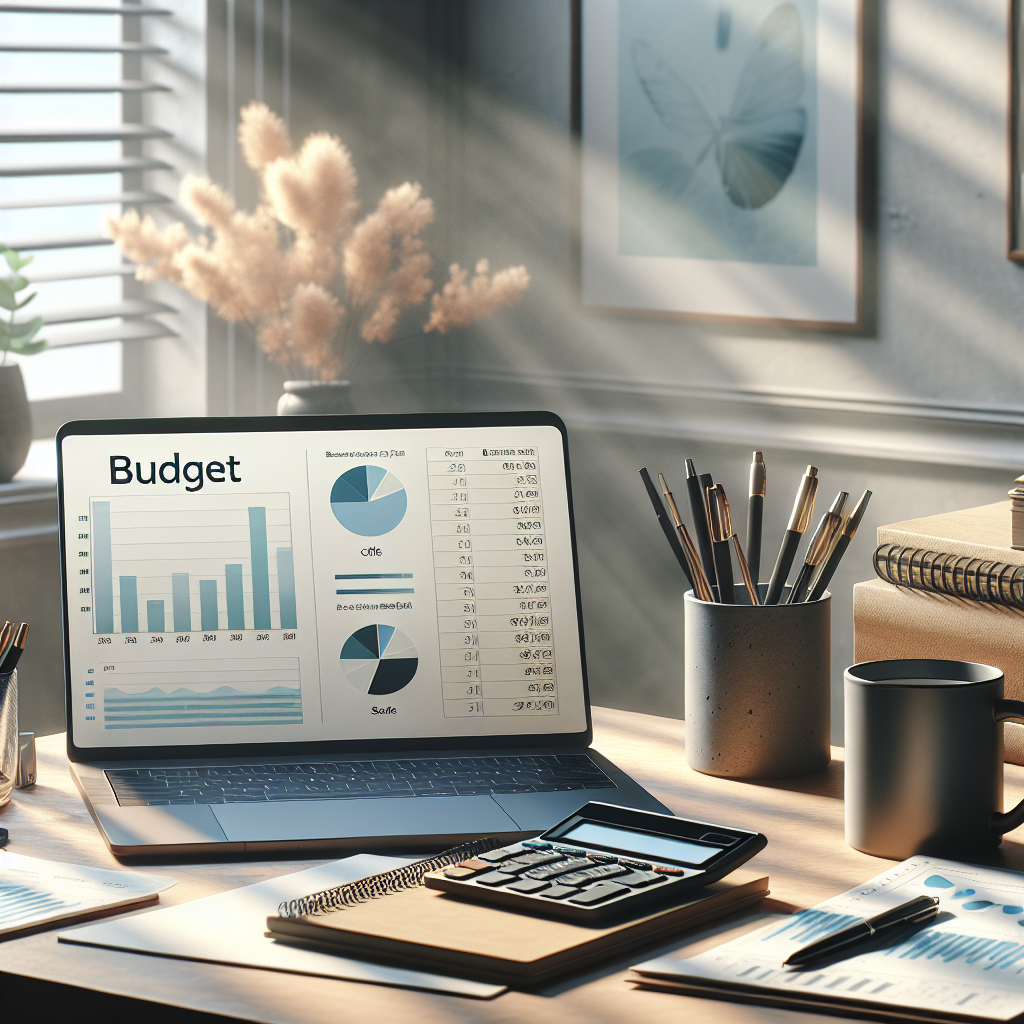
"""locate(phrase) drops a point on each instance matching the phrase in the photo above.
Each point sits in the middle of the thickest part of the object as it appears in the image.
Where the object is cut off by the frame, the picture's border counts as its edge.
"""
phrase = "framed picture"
(720, 158)
(1015, 137)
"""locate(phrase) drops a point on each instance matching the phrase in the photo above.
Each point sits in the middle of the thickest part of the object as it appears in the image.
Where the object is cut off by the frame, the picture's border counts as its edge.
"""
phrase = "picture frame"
(1014, 133)
(720, 159)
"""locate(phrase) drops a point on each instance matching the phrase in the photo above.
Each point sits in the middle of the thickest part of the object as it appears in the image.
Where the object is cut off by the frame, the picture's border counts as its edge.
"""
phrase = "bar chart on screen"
(184, 563)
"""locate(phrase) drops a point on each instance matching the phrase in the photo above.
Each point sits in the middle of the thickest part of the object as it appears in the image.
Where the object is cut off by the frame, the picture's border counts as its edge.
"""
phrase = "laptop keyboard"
(333, 780)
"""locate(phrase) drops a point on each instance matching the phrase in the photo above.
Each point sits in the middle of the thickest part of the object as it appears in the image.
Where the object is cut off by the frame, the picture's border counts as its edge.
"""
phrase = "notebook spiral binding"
(383, 884)
(976, 579)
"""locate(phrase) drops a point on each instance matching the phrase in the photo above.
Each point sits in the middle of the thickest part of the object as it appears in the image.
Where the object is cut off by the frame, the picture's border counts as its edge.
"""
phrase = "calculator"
(602, 862)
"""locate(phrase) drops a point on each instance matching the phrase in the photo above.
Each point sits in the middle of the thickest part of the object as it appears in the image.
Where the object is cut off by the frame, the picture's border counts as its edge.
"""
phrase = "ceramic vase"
(15, 422)
(315, 397)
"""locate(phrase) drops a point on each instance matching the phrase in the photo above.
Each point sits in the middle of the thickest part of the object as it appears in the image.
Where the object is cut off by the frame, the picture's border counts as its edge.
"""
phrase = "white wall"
(923, 406)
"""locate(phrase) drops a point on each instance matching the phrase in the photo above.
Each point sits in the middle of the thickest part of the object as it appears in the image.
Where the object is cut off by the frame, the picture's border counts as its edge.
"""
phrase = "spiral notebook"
(964, 554)
(393, 919)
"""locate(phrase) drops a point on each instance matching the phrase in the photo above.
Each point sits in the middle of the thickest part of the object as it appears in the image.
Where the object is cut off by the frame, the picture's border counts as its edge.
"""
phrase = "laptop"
(324, 632)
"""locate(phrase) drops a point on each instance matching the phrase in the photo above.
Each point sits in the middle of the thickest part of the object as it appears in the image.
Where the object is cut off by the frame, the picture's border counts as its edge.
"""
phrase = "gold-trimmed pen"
(800, 517)
(821, 540)
(700, 581)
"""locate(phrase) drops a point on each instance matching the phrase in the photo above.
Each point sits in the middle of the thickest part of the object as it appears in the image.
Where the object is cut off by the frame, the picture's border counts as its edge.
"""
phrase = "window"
(79, 85)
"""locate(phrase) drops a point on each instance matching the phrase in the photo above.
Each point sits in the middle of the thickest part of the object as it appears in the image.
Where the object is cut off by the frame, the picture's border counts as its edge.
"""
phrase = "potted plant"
(301, 269)
(17, 336)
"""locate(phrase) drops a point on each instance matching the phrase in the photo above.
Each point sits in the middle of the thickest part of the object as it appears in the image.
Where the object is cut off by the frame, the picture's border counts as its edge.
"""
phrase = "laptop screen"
(260, 584)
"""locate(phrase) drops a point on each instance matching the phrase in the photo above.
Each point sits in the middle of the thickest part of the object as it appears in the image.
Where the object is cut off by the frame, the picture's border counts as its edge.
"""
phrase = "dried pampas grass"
(283, 267)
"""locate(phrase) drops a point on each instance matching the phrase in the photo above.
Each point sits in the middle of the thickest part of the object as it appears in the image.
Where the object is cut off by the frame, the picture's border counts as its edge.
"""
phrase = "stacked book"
(949, 586)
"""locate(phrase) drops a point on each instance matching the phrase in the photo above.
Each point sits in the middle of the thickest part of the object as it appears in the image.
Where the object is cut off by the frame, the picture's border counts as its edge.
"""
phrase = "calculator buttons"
(559, 892)
(459, 873)
(640, 865)
(535, 844)
(497, 856)
(598, 894)
(571, 851)
(592, 874)
(641, 879)
(494, 878)
(561, 868)
(662, 870)
(528, 885)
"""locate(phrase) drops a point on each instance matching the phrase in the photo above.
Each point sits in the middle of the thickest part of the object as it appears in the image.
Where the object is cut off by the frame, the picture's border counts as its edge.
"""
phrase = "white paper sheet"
(969, 962)
(229, 929)
(34, 891)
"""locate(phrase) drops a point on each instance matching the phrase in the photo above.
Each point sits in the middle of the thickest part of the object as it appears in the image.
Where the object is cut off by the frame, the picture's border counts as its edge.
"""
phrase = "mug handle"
(1003, 710)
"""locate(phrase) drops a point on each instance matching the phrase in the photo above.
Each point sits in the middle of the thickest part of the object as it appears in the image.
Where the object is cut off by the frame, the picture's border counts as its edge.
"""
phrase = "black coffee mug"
(924, 758)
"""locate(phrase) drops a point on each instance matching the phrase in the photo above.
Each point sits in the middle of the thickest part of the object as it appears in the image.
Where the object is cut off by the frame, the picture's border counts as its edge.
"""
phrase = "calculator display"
(588, 833)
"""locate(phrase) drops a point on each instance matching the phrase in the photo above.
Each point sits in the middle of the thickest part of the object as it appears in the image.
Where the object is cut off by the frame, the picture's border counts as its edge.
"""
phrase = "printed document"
(967, 962)
(34, 892)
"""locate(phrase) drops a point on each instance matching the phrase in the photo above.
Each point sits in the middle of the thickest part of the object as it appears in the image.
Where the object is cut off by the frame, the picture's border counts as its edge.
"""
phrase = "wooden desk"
(806, 859)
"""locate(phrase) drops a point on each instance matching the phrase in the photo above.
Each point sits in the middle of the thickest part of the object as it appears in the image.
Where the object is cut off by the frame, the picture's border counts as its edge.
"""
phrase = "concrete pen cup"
(8, 734)
(758, 687)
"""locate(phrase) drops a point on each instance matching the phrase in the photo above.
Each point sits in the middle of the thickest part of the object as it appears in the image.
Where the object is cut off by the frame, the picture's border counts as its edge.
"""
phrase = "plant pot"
(315, 397)
(15, 422)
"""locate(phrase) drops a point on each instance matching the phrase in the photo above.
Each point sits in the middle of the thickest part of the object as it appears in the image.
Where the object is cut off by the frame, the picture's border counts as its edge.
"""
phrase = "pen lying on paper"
(915, 911)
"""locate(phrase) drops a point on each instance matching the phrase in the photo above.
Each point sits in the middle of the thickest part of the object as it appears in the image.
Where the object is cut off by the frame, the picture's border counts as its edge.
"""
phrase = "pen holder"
(758, 687)
(8, 734)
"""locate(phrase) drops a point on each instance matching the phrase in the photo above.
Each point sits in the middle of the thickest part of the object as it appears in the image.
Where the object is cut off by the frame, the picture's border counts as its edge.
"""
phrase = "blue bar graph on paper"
(155, 616)
(260, 567)
(236, 600)
(102, 568)
(180, 602)
(208, 605)
(286, 588)
(129, 604)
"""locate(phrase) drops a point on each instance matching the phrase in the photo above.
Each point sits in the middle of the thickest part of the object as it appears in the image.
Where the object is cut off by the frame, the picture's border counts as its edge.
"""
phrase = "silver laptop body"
(320, 633)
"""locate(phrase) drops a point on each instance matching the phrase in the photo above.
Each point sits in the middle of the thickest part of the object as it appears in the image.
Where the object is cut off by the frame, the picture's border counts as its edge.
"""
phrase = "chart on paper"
(191, 562)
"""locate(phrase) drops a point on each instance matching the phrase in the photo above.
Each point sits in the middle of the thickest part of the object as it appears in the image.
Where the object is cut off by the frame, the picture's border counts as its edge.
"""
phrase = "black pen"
(721, 532)
(755, 512)
(699, 511)
(701, 586)
(799, 518)
(915, 911)
(14, 652)
(818, 547)
(836, 555)
(666, 524)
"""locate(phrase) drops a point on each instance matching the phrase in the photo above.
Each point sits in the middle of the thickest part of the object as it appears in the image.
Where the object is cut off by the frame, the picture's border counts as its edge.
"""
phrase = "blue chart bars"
(192, 562)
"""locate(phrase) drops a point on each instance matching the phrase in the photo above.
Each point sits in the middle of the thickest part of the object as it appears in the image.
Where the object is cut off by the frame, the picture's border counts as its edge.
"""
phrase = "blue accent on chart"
(369, 501)
(379, 659)
(158, 708)
(810, 925)
(971, 949)
(211, 566)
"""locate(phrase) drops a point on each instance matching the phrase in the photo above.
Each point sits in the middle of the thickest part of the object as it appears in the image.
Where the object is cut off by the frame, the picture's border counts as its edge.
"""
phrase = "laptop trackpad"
(359, 819)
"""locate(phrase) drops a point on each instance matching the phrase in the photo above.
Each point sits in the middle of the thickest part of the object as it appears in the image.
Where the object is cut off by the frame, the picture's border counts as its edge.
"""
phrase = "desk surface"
(806, 859)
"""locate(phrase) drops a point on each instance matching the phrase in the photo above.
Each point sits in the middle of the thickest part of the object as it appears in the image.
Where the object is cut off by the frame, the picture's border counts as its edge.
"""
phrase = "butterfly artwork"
(755, 142)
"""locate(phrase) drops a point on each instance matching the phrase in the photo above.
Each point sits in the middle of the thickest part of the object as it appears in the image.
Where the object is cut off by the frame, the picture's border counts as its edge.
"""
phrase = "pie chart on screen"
(368, 501)
(379, 659)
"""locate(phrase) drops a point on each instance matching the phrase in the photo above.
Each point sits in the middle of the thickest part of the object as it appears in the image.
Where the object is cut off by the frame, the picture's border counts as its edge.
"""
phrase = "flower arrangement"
(300, 268)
